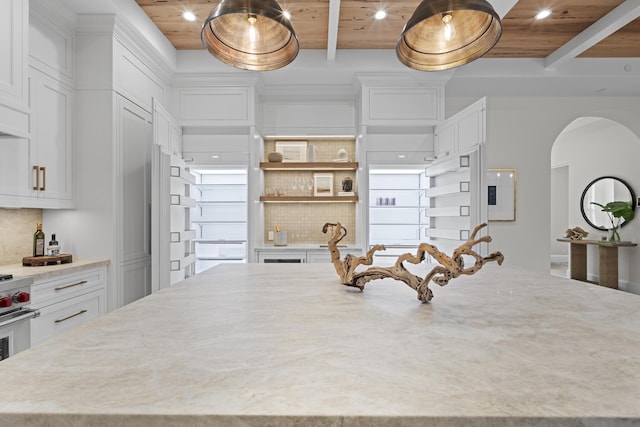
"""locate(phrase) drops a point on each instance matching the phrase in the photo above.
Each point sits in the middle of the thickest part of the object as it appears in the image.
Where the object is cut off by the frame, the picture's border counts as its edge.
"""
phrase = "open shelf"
(308, 199)
(311, 166)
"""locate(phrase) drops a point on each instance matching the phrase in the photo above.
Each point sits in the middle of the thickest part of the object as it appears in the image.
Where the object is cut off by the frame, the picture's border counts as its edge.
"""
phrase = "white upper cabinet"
(36, 104)
(462, 133)
(15, 171)
(14, 24)
(51, 138)
(400, 103)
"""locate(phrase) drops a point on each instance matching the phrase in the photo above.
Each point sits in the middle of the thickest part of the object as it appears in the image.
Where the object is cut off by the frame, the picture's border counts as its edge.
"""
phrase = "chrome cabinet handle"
(71, 316)
(59, 288)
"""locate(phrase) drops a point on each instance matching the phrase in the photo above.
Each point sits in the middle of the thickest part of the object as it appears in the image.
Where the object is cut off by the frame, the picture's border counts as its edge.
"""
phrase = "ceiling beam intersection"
(626, 12)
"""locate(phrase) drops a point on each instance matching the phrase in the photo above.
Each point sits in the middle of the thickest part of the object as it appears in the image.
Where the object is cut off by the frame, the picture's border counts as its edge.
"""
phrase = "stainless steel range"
(15, 315)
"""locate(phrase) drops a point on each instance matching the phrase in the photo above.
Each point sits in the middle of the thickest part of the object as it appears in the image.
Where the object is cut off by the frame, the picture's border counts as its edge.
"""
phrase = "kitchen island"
(272, 345)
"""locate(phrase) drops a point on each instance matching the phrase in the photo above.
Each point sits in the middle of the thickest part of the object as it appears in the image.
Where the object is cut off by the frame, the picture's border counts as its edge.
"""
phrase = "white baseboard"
(559, 258)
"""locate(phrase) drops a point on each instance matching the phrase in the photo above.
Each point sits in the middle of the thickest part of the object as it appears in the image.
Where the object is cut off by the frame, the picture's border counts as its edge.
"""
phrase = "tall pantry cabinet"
(112, 154)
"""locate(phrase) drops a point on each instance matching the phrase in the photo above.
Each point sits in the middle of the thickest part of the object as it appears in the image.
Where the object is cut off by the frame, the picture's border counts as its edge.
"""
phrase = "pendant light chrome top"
(250, 34)
(444, 34)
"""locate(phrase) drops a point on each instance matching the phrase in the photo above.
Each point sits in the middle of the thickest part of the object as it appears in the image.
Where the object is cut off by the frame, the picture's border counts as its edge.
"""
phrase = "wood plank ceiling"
(523, 36)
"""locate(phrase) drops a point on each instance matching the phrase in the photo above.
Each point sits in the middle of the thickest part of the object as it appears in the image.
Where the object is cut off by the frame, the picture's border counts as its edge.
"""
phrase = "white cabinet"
(462, 133)
(14, 27)
(182, 257)
(172, 238)
(51, 140)
(453, 196)
(301, 255)
(113, 194)
(36, 172)
(287, 256)
(66, 302)
(401, 103)
(36, 106)
(133, 141)
(15, 171)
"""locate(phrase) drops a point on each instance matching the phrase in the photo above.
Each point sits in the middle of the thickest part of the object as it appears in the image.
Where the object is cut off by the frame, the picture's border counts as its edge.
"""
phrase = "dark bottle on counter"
(38, 241)
(54, 248)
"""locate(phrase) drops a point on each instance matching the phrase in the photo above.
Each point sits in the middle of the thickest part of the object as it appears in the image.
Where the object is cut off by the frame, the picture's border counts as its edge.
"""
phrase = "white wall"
(520, 134)
(559, 214)
(593, 148)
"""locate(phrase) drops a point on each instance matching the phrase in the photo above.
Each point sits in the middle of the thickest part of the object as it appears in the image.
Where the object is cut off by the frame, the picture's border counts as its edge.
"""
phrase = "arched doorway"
(589, 147)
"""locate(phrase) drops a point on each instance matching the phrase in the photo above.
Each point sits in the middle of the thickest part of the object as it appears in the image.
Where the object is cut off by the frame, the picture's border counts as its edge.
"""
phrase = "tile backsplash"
(16, 233)
(303, 222)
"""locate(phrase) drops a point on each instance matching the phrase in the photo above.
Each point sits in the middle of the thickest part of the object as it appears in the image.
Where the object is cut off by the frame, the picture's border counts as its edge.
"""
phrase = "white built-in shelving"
(219, 217)
(398, 207)
(181, 236)
(452, 198)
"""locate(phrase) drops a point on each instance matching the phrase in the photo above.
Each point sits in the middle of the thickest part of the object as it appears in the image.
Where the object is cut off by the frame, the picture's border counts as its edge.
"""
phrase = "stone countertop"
(47, 271)
(265, 344)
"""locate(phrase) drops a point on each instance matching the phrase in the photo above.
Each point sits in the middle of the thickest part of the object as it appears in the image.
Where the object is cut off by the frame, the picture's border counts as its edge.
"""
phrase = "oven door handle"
(19, 316)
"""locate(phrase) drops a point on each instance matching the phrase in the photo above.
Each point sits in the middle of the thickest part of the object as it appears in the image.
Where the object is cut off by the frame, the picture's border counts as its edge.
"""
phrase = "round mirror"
(604, 190)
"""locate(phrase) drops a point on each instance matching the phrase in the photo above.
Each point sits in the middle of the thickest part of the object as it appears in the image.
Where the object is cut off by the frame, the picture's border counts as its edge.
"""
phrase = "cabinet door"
(445, 141)
(14, 22)
(51, 111)
(134, 147)
(15, 170)
(135, 280)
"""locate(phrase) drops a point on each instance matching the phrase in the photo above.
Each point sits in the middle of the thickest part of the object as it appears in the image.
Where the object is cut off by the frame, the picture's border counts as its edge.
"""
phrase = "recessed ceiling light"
(189, 16)
(381, 14)
(286, 14)
(543, 14)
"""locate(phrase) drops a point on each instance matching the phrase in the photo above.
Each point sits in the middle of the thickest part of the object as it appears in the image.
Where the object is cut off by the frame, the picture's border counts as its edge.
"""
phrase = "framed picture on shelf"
(292, 151)
(322, 184)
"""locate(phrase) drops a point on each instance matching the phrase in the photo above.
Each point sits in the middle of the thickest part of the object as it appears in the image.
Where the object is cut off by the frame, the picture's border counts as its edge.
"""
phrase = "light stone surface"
(16, 228)
(48, 271)
(287, 345)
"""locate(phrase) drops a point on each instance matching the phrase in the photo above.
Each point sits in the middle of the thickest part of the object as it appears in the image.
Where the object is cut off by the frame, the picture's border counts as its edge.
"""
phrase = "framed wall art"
(292, 151)
(501, 195)
(323, 184)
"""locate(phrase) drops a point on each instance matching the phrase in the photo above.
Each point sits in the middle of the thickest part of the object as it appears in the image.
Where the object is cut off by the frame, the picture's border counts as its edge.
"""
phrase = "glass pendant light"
(250, 34)
(444, 34)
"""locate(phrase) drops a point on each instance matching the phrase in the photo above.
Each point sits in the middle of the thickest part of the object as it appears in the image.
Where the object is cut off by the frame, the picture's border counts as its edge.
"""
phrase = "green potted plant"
(617, 211)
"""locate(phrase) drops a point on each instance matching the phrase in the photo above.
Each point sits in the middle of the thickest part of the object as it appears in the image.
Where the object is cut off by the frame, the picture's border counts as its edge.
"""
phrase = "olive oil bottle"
(38, 241)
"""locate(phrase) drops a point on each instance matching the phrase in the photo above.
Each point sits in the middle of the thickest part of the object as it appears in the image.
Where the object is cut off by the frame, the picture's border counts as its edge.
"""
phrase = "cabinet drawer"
(66, 315)
(51, 291)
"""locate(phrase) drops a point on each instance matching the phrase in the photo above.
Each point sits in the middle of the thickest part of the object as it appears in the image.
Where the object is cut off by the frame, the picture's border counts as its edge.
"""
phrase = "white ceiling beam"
(502, 6)
(332, 36)
(626, 12)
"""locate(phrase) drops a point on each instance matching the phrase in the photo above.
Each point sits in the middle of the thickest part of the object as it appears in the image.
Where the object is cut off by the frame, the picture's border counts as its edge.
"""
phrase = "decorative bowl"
(274, 157)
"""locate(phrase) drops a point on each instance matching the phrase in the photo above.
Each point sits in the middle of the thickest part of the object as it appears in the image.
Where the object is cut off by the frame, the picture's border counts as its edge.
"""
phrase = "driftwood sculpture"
(346, 268)
(450, 268)
(576, 233)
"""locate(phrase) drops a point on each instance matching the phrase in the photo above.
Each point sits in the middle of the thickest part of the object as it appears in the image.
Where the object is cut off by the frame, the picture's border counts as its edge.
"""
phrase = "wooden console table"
(608, 263)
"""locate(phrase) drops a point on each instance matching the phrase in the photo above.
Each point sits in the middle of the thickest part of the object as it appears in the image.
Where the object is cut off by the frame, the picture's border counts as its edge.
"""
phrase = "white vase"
(311, 153)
